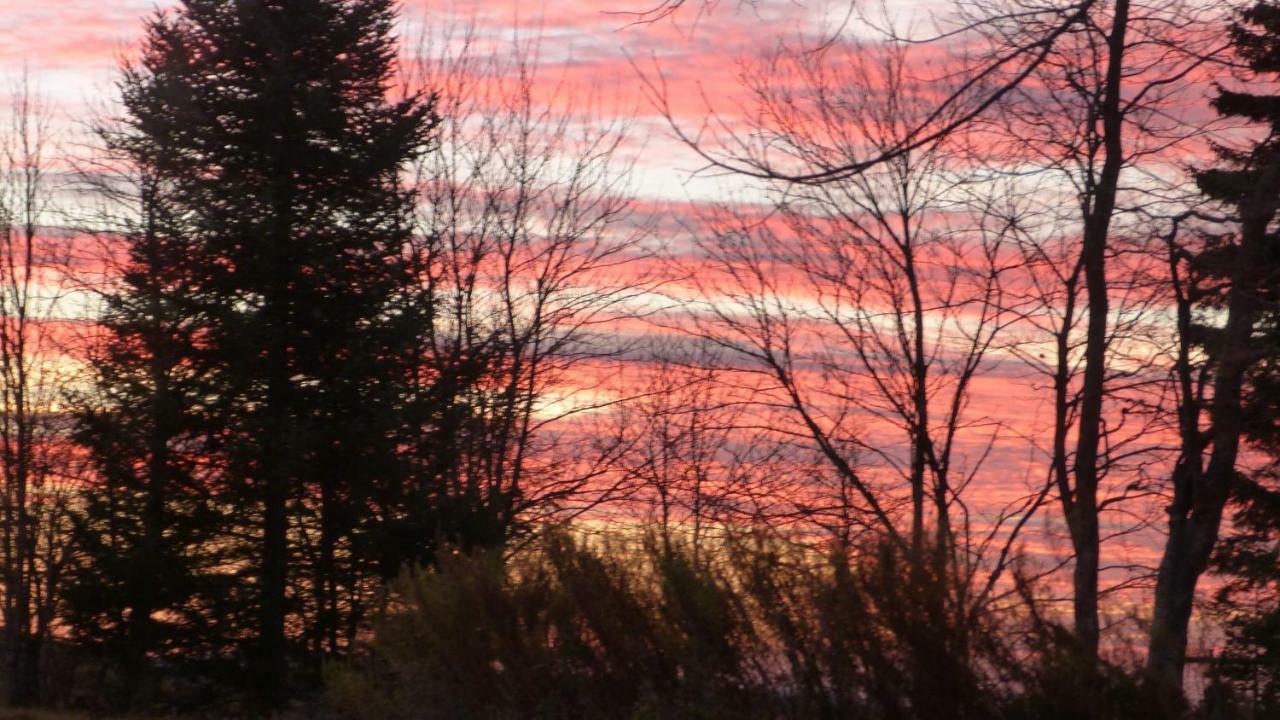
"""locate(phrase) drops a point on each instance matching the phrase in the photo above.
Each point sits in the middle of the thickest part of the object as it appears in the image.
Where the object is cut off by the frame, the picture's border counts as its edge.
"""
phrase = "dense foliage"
(1247, 673)
(755, 629)
(254, 385)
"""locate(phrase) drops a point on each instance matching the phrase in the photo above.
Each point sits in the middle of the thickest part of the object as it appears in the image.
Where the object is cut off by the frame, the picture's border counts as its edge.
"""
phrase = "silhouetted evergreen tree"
(1245, 269)
(148, 581)
(271, 121)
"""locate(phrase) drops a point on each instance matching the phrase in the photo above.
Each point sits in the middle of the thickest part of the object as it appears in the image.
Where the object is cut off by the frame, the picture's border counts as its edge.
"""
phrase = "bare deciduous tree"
(1225, 284)
(699, 464)
(530, 253)
(34, 368)
(1103, 114)
(861, 312)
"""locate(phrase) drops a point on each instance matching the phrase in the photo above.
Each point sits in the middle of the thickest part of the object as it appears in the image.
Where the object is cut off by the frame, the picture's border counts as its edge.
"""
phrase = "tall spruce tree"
(148, 531)
(1249, 599)
(1238, 279)
(271, 121)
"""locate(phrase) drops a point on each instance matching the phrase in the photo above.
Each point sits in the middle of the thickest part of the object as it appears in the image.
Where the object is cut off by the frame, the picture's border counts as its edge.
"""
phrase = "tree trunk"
(273, 663)
(143, 601)
(1102, 201)
(25, 666)
(275, 451)
(1195, 515)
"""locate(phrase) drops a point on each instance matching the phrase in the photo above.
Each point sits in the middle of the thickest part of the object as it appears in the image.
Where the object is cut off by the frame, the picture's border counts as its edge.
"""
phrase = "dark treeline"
(345, 430)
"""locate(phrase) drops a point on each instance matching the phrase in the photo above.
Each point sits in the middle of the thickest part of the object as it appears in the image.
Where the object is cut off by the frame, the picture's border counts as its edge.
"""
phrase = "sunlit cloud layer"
(593, 57)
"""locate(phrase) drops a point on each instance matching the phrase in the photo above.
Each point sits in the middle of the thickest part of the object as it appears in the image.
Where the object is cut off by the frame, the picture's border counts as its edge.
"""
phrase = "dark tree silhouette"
(1248, 604)
(148, 522)
(283, 157)
(1239, 273)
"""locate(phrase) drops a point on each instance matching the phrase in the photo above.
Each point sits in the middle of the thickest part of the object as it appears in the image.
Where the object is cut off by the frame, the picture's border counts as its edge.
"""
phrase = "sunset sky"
(594, 56)
(590, 48)
(939, 323)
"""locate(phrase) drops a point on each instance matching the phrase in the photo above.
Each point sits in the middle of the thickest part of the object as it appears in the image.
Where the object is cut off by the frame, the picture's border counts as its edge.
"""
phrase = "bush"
(761, 630)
